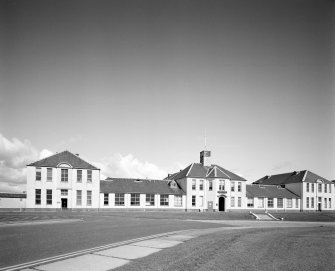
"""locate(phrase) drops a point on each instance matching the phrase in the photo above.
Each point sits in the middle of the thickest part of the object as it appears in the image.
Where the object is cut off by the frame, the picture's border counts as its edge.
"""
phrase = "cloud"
(14, 156)
(129, 167)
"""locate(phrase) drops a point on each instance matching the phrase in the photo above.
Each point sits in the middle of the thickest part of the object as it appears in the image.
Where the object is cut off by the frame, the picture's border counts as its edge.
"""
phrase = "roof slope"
(291, 177)
(269, 191)
(63, 157)
(197, 170)
(143, 186)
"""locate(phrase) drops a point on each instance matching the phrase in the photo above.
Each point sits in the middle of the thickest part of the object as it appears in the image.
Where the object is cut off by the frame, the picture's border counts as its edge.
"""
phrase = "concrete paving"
(84, 263)
(157, 243)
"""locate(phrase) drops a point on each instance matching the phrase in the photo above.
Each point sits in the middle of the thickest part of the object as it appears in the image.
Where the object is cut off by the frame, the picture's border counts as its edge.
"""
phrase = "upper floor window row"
(194, 184)
(64, 175)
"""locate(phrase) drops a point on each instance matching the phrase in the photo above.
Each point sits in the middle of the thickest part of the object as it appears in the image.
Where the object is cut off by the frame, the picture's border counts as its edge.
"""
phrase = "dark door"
(222, 204)
(64, 203)
(319, 207)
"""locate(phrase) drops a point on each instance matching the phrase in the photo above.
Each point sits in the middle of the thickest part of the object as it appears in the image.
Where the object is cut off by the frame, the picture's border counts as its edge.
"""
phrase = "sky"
(133, 86)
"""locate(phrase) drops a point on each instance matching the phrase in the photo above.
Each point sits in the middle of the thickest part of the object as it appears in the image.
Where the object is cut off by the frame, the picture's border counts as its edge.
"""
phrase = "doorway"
(319, 207)
(222, 204)
(64, 203)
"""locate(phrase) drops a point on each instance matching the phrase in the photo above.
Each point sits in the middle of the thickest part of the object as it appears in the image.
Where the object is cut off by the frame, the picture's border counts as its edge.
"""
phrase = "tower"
(205, 157)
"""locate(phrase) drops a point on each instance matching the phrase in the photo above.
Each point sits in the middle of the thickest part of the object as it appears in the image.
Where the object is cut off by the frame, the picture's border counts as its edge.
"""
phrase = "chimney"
(77, 154)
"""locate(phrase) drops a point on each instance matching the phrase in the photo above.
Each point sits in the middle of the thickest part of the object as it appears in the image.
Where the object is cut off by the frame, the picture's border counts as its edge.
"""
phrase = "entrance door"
(319, 207)
(64, 203)
(222, 204)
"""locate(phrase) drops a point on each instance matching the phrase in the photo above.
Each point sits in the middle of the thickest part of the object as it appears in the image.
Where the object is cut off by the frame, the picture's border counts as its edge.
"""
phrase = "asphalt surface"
(36, 239)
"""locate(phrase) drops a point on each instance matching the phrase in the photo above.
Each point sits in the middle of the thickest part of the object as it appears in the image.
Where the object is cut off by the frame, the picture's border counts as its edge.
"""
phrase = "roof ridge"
(189, 169)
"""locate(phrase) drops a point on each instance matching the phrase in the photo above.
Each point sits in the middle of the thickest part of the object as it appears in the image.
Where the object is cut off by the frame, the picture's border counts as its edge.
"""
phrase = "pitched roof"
(197, 170)
(63, 157)
(290, 177)
(13, 195)
(143, 186)
(269, 191)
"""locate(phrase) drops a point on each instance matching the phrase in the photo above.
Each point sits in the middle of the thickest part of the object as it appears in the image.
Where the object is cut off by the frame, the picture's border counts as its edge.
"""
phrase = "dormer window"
(173, 184)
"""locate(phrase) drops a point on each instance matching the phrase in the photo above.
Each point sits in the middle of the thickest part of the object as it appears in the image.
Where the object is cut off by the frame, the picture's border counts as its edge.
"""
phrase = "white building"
(12, 201)
(63, 180)
(211, 187)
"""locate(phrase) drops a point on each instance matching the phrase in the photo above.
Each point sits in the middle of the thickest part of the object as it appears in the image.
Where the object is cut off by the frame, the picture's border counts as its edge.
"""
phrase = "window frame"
(49, 197)
(79, 175)
(79, 197)
(194, 201)
(38, 196)
(49, 174)
(178, 201)
(201, 185)
(38, 174)
(194, 184)
(232, 187)
(221, 185)
(119, 199)
(89, 198)
(270, 202)
(210, 185)
(64, 177)
(149, 199)
(164, 200)
(239, 186)
(135, 199)
(280, 203)
(89, 175)
(232, 202)
(289, 203)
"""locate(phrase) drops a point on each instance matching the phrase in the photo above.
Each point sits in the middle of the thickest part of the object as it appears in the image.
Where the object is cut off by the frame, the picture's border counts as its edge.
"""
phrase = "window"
(232, 186)
(260, 202)
(239, 202)
(79, 176)
(178, 201)
(38, 174)
(326, 188)
(307, 202)
(106, 199)
(312, 187)
(201, 201)
(201, 185)
(194, 182)
(210, 185)
(119, 199)
(49, 196)
(221, 184)
(164, 200)
(280, 203)
(325, 200)
(64, 175)
(250, 202)
(89, 176)
(49, 174)
(78, 197)
(312, 202)
(37, 196)
(330, 188)
(330, 203)
(307, 187)
(239, 187)
(319, 187)
(89, 198)
(63, 192)
(232, 202)
(134, 199)
(194, 201)
(289, 203)
(150, 200)
(270, 202)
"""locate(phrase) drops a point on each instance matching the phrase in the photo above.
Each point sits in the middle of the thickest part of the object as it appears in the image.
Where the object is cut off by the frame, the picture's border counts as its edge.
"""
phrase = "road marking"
(81, 252)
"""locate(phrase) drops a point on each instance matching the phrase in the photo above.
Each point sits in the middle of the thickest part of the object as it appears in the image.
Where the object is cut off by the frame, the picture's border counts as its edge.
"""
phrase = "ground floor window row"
(150, 200)
(322, 203)
(64, 192)
(270, 203)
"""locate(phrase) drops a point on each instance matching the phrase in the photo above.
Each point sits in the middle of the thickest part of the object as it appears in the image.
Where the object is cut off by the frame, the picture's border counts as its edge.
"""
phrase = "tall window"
(49, 174)
(79, 175)
(49, 196)
(307, 187)
(312, 202)
(312, 185)
(78, 197)
(319, 187)
(106, 199)
(37, 196)
(150, 200)
(38, 174)
(201, 185)
(89, 176)
(325, 200)
(221, 184)
(280, 203)
(134, 199)
(239, 202)
(119, 199)
(239, 187)
(64, 175)
(63, 192)
(194, 182)
(178, 201)
(210, 185)
(232, 186)
(194, 201)
(326, 188)
(232, 202)
(289, 203)
(307, 202)
(250, 202)
(270, 202)
(330, 188)
(89, 198)
(201, 201)
(164, 200)
(330, 203)
(260, 202)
